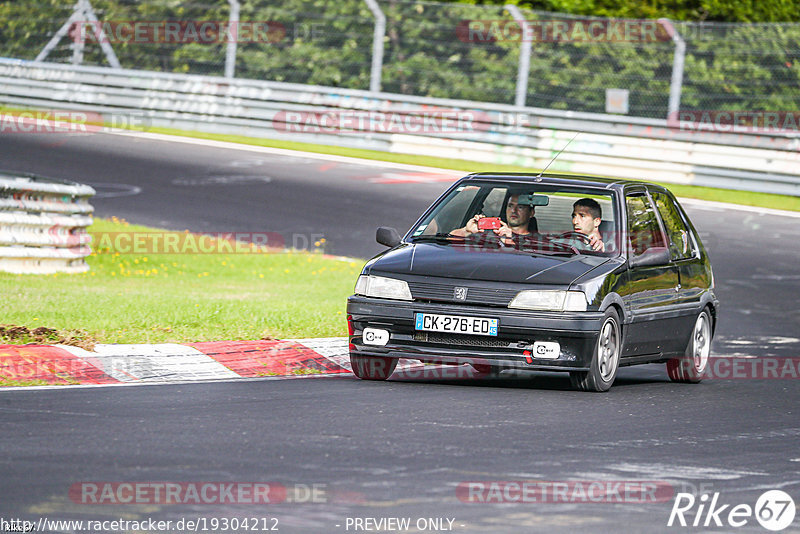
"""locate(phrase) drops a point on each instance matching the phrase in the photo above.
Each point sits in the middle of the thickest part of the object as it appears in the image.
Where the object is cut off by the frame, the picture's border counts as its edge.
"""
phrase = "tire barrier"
(43, 225)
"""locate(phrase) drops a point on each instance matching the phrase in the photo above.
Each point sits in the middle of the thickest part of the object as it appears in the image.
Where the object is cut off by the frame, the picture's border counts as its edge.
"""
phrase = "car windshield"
(524, 218)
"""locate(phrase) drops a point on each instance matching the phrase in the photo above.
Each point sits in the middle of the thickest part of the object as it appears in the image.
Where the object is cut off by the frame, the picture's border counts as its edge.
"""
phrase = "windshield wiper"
(526, 241)
(447, 237)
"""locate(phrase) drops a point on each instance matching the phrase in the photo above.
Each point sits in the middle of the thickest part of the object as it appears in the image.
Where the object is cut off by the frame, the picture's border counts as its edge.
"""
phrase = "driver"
(586, 218)
(518, 216)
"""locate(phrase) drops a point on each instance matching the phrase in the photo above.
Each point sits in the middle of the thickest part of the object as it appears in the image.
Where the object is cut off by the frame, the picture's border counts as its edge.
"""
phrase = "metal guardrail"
(639, 148)
(43, 225)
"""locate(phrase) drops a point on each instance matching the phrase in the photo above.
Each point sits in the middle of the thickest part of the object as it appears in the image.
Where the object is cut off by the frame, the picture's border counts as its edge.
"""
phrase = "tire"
(605, 359)
(693, 364)
(372, 367)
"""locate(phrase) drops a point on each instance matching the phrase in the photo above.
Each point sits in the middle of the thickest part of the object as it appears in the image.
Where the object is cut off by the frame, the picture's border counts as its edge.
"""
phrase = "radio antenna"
(556, 156)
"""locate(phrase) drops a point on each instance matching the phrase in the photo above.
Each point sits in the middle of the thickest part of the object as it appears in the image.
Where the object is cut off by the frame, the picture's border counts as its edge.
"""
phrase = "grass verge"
(158, 298)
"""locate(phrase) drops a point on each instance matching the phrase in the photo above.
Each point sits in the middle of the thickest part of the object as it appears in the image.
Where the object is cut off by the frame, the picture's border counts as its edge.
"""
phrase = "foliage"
(688, 10)
(728, 66)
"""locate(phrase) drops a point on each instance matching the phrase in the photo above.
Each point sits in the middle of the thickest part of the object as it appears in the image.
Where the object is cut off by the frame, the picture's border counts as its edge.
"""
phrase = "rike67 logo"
(774, 510)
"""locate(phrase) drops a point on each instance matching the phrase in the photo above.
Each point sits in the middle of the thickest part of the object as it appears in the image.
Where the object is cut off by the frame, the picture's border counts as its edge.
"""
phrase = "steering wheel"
(581, 237)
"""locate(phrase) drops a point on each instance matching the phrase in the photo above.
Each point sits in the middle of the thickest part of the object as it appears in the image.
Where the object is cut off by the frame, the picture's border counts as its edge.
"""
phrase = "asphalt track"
(399, 449)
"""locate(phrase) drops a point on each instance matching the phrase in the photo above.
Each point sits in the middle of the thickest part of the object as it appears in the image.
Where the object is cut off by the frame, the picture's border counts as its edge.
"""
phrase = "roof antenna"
(539, 176)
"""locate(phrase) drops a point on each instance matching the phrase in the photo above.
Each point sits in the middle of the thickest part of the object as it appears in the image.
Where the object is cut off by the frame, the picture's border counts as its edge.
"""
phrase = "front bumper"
(518, 330)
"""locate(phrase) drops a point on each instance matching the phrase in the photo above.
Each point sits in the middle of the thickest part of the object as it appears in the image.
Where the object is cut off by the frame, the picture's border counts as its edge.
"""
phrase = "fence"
(43, 224)
(493, 54)
(648, 149)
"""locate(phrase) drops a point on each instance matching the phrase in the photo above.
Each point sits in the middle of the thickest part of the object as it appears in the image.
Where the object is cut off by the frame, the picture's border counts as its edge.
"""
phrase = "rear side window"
(681, 245)
(643, 229)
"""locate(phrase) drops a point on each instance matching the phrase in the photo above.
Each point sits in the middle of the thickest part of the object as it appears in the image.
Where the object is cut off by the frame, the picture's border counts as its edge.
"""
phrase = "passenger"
(518, 217)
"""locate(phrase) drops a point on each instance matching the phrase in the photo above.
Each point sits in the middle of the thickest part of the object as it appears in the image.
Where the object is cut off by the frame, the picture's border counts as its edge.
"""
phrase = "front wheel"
(692, 365)
(372, 367)
(605, 360)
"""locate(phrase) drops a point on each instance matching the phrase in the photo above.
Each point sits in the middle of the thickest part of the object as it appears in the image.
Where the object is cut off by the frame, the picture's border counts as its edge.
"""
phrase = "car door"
(693, 275)
(650, 293)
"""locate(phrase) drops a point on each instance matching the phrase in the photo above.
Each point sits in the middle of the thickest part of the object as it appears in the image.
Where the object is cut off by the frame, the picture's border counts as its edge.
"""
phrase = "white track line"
(286, 152)
(723, 206)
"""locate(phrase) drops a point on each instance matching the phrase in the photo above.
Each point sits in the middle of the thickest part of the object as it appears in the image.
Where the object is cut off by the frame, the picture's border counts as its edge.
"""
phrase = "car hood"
(453, 261)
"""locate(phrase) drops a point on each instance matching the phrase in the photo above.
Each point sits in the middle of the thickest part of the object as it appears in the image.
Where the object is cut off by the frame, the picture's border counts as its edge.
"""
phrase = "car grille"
(475, 295)
(457, 339)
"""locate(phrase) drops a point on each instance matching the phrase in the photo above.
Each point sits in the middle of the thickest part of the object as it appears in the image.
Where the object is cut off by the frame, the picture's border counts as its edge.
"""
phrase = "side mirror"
(651, 256)
(388, 236)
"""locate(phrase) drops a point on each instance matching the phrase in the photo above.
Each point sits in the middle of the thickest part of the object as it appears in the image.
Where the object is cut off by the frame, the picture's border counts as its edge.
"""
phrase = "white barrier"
(615, 145)
(628, 157)
(43, 225)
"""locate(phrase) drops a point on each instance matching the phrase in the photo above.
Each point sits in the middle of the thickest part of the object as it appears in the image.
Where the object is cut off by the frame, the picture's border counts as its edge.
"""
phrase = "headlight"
(549, 300)
(382, 288)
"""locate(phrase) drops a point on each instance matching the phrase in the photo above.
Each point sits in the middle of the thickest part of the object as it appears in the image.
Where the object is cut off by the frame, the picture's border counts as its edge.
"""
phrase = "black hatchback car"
(540, 272)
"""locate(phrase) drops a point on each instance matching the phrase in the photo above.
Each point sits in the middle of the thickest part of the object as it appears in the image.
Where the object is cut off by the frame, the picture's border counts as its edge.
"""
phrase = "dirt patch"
(22, 335)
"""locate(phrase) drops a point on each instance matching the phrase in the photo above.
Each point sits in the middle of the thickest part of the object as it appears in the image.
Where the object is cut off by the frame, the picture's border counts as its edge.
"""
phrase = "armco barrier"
(614, 145)
(43, 224)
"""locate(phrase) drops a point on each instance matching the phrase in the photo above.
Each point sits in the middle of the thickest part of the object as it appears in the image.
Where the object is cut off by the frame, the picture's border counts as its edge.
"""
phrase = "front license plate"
(455, 324)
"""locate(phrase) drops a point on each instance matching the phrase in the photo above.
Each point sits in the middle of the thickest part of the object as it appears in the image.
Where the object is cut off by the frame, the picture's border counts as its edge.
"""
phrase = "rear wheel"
(692, 365)
(372, 367)
(605, 360)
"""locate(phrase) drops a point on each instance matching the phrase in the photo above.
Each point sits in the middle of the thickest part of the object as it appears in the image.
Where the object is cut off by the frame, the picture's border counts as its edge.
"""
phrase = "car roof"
(557, 179)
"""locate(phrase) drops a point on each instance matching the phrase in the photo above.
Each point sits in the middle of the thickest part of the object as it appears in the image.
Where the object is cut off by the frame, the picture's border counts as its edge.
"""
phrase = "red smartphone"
(489, 223)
